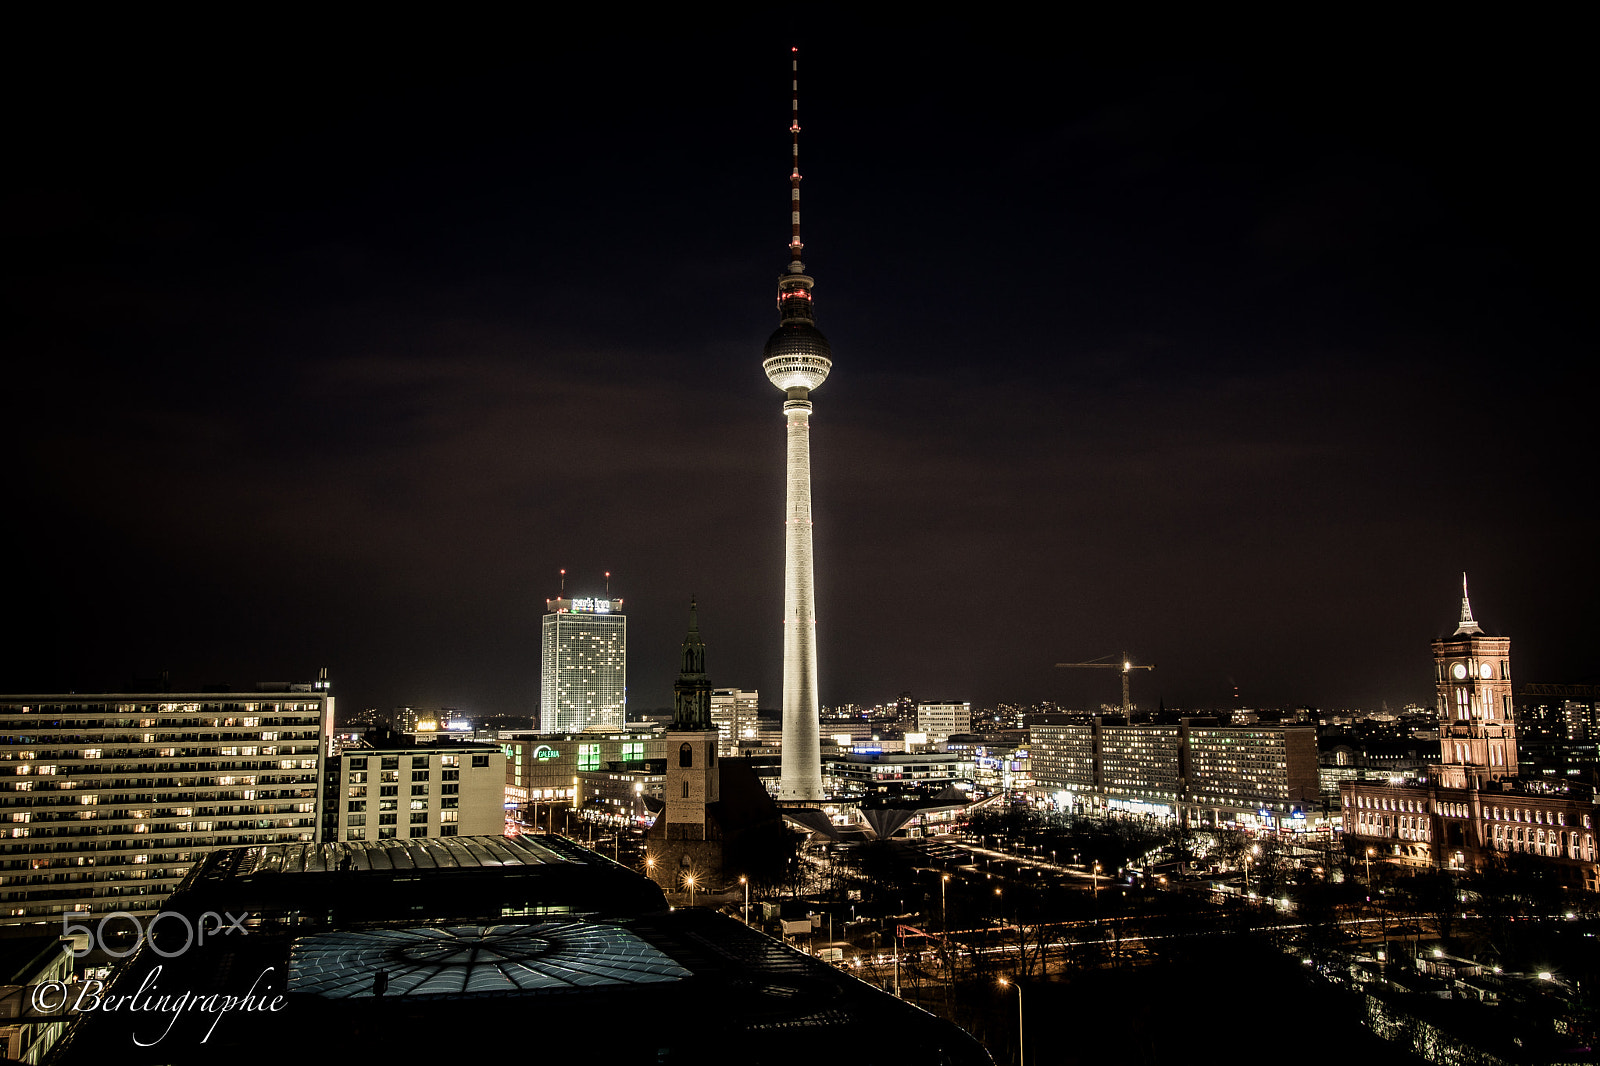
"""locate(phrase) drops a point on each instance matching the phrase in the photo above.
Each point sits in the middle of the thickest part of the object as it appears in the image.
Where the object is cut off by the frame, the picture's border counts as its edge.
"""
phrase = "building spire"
(692, 693)
(1468, 624)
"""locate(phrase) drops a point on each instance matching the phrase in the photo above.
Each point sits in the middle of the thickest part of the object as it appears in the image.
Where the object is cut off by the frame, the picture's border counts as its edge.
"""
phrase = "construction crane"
(1125, 664)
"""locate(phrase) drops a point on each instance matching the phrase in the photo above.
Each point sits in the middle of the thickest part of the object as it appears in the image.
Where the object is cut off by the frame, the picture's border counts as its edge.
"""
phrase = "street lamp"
(745, 881)
(1369, 875)
(689, 880)
(1011, 984)
(944, 923)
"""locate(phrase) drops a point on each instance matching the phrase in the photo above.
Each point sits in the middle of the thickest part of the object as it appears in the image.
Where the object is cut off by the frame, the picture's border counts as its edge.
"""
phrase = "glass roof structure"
(466, 960)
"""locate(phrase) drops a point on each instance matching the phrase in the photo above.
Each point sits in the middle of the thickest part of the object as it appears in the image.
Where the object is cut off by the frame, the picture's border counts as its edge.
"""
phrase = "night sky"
(1230, 346)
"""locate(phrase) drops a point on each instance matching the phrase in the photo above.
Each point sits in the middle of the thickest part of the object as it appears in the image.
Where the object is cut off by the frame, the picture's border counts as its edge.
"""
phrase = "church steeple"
(692, 693)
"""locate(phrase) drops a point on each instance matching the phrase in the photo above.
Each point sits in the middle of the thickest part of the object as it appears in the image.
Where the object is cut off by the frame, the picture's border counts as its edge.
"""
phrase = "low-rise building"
(548, 767)
(858, 774)
(392, 952)
(1000, 761)
(435, 791)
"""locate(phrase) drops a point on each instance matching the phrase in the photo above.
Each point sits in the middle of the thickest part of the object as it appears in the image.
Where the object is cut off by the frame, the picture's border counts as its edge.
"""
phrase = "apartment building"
(107, 800)
(435, 791)
(1207, 771)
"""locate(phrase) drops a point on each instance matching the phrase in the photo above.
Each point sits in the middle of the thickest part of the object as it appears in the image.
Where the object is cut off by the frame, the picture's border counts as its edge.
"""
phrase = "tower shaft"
(797, 359)
(801, 770)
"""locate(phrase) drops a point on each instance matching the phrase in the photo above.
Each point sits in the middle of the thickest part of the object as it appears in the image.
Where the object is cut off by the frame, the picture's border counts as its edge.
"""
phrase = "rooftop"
(488, 947)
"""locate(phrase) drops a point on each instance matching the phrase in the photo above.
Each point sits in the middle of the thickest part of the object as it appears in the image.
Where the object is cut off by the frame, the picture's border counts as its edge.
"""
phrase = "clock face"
(1484, 671)
(1458, 671)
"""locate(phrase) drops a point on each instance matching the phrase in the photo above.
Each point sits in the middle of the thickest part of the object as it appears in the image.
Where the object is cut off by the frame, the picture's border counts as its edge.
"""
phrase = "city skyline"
(1230, 359)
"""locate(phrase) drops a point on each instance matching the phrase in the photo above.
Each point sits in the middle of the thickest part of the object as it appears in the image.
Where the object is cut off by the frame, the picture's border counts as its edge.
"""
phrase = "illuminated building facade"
(1477, 722)
(733, 712)
(107, 800)
(1197, 768)
(1256, 767)
(861, 774)
(542, 768)
(1140, 765)
(1473, 806)
(583, 665)
(436, 791)
(1063, 756)
(943, 719)
(1558, 735)
(797, 360)
(1000, 761)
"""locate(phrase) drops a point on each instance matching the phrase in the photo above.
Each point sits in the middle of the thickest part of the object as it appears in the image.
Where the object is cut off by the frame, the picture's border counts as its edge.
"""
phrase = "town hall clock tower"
(1477, 726)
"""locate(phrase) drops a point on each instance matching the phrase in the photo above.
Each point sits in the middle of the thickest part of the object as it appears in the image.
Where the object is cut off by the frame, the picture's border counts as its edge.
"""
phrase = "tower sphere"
(797, 355)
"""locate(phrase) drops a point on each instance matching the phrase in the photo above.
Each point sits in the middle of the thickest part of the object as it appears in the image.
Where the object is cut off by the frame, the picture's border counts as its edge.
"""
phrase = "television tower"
(796, 360)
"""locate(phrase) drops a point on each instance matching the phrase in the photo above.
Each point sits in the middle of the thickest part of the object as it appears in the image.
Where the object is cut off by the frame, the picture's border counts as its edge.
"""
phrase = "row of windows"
(386, 832)
(48, 710)
(418, 762)
(359, 805)
(1461, 810)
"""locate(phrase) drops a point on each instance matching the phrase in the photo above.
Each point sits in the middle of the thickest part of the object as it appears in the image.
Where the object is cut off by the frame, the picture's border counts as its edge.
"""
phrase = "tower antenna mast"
(795, 245)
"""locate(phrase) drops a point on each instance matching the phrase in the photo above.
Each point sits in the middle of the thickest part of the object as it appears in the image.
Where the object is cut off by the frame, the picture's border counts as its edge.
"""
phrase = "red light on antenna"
(794, 49)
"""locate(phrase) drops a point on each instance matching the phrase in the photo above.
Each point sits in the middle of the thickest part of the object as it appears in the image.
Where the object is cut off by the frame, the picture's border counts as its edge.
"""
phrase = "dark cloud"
(1230, 358)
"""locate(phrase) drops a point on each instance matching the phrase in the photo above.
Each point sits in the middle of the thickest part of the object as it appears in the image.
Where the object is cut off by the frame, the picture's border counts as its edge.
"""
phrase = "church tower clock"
(1477, 726)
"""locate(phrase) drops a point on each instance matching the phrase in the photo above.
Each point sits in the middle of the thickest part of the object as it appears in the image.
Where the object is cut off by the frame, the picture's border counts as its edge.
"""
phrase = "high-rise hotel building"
(107, 800)
(583, 665)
